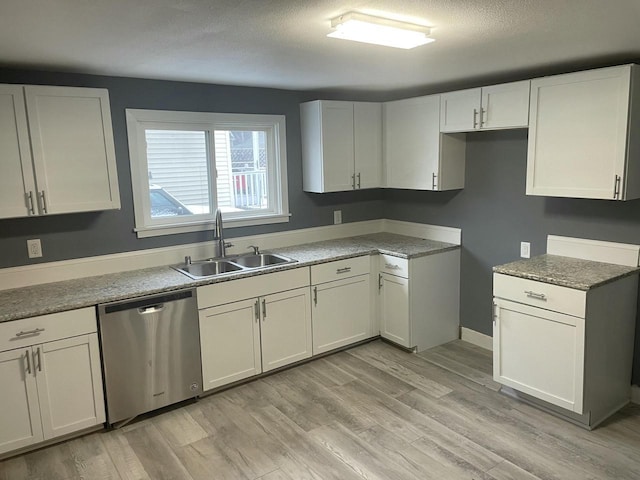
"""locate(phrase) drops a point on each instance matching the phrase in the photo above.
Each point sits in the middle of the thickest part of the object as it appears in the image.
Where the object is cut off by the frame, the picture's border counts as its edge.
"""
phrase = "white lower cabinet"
(341, 311)
(248, 336)
(52, 383)
(571, 349)
(420, 299)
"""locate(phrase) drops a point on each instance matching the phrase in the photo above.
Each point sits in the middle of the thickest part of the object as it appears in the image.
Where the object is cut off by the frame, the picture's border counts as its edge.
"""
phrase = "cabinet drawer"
(350, 267)
(539, 294)
(394, 265)
(46, 328)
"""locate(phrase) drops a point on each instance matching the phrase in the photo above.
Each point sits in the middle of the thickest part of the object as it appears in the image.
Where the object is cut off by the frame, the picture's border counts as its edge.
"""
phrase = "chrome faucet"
(218, 234)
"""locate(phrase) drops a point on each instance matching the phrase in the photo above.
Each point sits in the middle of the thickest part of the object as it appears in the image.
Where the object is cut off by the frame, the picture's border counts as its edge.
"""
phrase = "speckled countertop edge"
(568, 272)
(89, 291)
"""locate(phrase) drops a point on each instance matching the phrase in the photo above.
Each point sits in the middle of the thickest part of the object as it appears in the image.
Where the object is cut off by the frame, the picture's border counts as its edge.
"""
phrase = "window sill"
(158, 230)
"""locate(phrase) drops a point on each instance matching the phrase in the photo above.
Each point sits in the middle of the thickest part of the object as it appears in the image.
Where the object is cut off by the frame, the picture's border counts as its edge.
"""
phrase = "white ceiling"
(283, 43)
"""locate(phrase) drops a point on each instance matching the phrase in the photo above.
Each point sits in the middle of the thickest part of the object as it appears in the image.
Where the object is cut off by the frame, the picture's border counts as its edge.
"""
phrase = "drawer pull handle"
(539, 296)
(343, 270)
(35, 331)
(391, 266)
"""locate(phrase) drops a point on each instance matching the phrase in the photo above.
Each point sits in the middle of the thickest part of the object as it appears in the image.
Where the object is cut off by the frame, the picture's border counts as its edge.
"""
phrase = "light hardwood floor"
(372, 412)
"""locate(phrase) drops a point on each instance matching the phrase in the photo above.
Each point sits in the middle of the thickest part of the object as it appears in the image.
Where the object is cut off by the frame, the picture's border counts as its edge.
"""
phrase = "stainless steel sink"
(221, 266)
(261, 260)
(208, 268)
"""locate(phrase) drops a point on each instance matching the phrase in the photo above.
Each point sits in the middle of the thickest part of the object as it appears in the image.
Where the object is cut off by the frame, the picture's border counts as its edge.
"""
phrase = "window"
(185, 165)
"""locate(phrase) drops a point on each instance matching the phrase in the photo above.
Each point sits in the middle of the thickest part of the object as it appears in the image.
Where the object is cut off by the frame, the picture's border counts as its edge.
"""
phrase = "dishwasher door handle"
(151, 309)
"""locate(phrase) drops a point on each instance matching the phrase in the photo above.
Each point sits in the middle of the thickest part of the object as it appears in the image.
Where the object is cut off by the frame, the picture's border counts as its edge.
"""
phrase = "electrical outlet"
(525, 249)
(337, 217)
(34, 247)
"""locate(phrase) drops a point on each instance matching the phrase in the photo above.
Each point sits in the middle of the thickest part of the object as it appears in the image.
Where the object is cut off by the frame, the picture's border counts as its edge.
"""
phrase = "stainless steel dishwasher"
(150, 352)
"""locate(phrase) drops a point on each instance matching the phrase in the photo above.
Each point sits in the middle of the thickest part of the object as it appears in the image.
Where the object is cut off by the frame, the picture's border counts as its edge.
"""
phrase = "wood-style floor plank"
(369, 413)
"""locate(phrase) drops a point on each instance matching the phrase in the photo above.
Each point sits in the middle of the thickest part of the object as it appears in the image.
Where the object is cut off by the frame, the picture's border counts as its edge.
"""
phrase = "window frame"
(274, 126)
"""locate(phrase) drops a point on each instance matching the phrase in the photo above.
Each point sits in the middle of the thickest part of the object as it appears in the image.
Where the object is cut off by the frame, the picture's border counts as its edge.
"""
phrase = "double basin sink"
(220, 266)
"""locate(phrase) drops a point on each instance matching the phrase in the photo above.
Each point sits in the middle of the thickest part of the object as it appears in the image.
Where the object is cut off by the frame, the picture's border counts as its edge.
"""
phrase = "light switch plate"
(525, 249)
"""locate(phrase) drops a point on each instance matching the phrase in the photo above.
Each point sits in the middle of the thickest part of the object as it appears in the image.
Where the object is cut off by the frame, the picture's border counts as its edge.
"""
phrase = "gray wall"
(86, 234)
(495, 215)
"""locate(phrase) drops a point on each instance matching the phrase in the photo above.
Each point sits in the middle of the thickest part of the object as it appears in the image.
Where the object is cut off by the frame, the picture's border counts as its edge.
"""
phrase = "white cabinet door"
(337, 146)
(505, 105)
(341, 313)
(578, 134)
(460, 111)
(17, 188)
(20, 423)
(230, 343)
(539, 352)
(69, 379)
(73, 149)
(367, 124)
(412, 143)
(394, 309)
(285, 328)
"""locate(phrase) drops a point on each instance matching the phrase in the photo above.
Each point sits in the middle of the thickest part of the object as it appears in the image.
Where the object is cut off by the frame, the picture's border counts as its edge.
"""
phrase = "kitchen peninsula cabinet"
(487, 108)
(583, 135)
(341, 309)
(341, 145)
(58, 151)
(51, 377)
(419, 299)
(253, 325)
(416, 155)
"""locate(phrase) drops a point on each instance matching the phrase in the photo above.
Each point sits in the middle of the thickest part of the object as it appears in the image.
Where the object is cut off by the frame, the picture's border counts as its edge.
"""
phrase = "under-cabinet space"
(59, 153)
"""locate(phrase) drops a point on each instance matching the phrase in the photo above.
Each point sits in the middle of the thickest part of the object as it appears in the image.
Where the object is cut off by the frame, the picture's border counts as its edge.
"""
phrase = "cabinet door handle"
(43, 202)
(353, 181)
(616, 187)
(264, 309)
(475, 118)
(391, 266)
(539, 296)
(315, 295)
(31, 208)
(495, 313)
(256, 308)
(433, 181)
(483, 113)
(379, 281)
(26, 356)
(35, 331)
(358, 179)
(39, 360)
(343, 270)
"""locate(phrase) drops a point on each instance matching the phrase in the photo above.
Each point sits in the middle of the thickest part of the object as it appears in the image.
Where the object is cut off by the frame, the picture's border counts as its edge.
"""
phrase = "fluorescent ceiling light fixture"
(379, 31)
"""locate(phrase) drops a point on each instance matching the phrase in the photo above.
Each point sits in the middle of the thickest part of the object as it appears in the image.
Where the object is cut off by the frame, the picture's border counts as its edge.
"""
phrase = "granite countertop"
(566, 271)
(84, 292)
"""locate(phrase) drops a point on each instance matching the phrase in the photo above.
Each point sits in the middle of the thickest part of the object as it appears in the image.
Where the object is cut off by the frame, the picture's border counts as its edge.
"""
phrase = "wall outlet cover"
(34, 248)
(525, 249)
(337, 217)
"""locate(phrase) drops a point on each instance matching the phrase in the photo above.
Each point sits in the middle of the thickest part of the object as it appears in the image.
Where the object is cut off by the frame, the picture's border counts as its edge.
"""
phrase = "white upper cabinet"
(341, 145)
(416, 155)
(487, 108)
(581, 141)
(69, 165)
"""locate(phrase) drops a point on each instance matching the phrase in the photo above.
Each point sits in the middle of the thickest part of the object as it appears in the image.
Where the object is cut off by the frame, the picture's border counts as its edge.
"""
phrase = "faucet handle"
(256, 249)
(187, 260)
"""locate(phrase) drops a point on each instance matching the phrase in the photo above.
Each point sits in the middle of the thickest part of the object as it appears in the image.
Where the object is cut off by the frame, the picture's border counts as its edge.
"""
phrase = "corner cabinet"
(58, 151)
(51, 378)
(341, 145)
(420, 299)
(253, 325)
(583, 140)
(487, 108)
(416, 155)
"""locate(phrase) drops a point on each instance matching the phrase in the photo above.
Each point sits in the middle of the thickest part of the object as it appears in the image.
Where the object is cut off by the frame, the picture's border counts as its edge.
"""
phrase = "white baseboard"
(476, 338)
(17, 277)
(635, 394)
